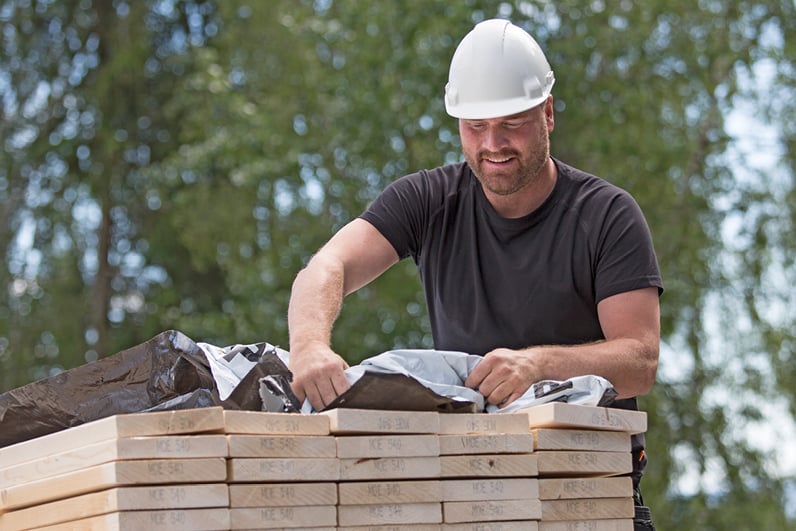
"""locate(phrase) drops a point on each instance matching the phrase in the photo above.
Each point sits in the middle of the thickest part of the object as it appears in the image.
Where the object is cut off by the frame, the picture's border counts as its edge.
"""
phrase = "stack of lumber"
(164, 470)
(549, 468)
(580, 451)
(283, 471)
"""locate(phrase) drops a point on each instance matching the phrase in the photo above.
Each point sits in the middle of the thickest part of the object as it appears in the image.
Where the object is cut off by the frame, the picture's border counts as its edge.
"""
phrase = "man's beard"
(509, 182)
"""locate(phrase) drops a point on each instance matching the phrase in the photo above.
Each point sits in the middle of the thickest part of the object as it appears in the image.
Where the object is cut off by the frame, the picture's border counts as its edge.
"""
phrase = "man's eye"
(514, 125)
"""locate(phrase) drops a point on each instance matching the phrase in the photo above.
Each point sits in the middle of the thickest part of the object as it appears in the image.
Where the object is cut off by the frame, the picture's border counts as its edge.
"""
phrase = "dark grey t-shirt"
(495, 282)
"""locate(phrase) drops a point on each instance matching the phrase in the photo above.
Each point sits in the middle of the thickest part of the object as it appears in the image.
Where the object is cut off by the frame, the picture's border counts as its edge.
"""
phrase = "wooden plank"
(387, 446)
(178, 446)
(263, 470)
(117, 499)
(396, 527)
(588, 525)
(489, 465)
(475, 423)
(268, 423)
(352, 421)
(490, 489)
(569, 463)
(588, 509)
(389, 492)
(167, 520)
(188, 421)
(572, 439)
(383, 468)
(114, 474)
(385, 514)
(569, 488)
(282, 494)
(517, 525)
(562, 415)
(281, 446)
(309, 516)
(495, 443)
(491, 510)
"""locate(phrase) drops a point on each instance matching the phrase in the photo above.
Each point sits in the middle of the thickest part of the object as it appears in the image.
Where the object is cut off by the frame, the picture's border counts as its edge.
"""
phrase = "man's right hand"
(318, 375)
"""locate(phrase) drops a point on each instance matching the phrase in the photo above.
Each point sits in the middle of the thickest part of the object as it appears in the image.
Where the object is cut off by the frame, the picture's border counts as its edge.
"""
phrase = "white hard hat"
(498, 69)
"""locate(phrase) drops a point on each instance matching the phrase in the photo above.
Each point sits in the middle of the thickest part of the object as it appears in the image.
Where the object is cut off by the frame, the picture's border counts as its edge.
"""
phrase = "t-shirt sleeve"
(626, 259)
(399, 213)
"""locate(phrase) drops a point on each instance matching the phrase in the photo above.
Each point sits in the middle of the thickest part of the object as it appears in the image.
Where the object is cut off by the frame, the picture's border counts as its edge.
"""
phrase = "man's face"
(507, 153)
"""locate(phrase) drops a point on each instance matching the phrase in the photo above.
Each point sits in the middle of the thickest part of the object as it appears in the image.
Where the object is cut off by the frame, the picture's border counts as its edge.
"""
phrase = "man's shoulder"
(585, 185)
(438, 184)
(446, 174)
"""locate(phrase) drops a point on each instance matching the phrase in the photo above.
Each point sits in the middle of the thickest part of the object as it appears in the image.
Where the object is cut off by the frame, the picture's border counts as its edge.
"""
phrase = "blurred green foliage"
(172, 165)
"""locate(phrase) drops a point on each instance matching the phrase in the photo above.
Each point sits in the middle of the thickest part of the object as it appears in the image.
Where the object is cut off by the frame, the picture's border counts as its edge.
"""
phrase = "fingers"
(324, 389)
(319, 378)
(498, 379)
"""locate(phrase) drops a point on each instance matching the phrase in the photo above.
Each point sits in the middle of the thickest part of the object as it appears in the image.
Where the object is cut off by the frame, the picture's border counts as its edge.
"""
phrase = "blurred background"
(173, 164)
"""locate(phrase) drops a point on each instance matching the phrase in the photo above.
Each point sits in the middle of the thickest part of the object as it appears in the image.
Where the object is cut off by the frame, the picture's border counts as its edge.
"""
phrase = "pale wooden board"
(282, 494)
(572, 439)
(472, 423)
(350, 421)
(267, 423)
(117, 499)
(571, 488)
(587, 464)
(491, 510)
(394, 527)
(387, 446)
(188, 421)
(283, 517)
(495, 443)
(159, 447)
(263, 470)
(490, 489)
(281, 446)
(300, 528)
(588, 525)
(384, 514)
(489, 465)
(588, 508)
(562, 415)
(521, 525)
(114, 474)
(167, 520)
(389, 492)
(383, 468)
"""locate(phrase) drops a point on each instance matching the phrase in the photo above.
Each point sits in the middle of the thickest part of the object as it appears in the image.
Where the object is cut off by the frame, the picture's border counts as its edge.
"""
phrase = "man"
(546, 271)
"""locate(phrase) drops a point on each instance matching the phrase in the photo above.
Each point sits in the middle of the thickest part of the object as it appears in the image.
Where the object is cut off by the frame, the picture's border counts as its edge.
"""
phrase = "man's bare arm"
(628, 357)
(352, 258)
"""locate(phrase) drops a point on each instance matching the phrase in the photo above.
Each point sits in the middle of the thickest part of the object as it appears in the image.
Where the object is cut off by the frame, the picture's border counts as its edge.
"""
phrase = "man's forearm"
(506, 374)
(315, 302)
(629, 364)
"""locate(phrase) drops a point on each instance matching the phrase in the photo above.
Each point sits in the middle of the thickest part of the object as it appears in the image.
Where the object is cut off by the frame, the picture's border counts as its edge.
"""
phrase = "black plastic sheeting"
(396, 391)
(170, 371)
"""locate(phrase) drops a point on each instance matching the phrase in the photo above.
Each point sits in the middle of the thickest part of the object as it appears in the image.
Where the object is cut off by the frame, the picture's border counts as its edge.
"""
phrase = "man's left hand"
(504, 375)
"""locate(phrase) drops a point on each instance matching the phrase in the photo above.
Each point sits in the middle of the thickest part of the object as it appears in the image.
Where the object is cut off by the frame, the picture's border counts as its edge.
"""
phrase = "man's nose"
(494, 139)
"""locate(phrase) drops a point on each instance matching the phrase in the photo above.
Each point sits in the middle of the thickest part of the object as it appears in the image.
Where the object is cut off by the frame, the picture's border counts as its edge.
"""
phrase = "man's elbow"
(647, 371)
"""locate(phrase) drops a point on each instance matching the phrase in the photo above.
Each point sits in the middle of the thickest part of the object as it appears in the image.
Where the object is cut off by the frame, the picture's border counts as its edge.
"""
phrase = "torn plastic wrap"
(433, 380)
(412, 380)
(588, 390)
(167, 372)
